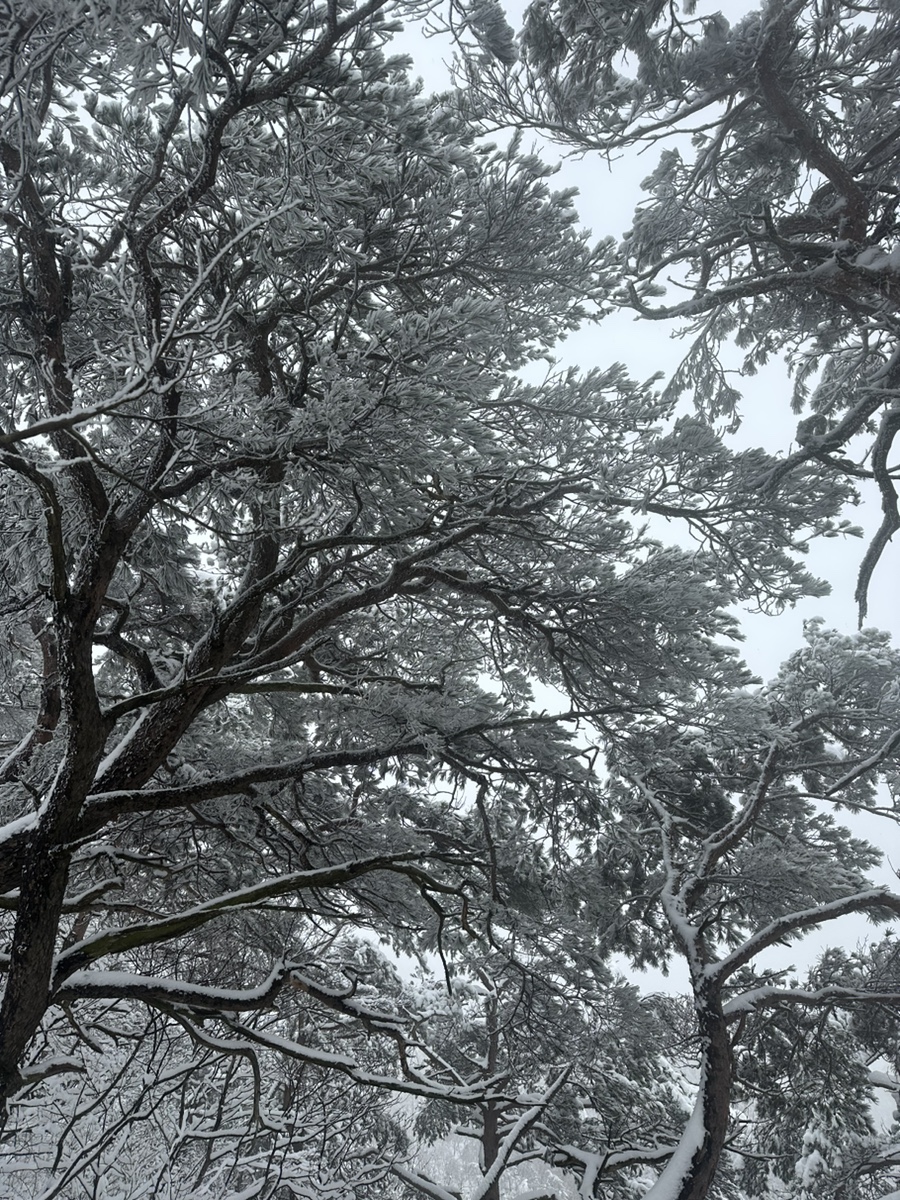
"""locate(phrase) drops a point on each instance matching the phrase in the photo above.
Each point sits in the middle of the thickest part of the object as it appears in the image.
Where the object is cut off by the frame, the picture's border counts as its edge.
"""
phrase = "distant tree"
(594, 1065)
(157, 1108)
(770, 222)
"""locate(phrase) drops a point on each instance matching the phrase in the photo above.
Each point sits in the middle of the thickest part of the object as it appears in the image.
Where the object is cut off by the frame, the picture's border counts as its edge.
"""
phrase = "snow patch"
(668, 1185)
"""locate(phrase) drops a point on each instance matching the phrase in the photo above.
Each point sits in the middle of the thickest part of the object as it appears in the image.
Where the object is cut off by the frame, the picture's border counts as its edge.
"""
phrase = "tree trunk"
(691, 1170)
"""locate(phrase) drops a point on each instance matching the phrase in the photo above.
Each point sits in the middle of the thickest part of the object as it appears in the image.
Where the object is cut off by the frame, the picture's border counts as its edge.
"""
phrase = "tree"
(276, 507)
(770, 218)
(289, 544)
(156, 1110)
(718, 839)
(750, 856)
(592, 1061)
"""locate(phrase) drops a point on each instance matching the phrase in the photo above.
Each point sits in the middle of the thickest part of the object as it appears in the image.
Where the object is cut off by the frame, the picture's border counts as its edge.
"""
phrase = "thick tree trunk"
(44, 877)
(691, 1170)
(45, 865)
(490, 1145)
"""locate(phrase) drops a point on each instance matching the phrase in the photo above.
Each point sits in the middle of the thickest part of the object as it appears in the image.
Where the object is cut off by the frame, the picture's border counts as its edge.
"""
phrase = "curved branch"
(890, 523)
(813, 149)
(115, 941)
(791, 923)
(772, 997)
(120, 985)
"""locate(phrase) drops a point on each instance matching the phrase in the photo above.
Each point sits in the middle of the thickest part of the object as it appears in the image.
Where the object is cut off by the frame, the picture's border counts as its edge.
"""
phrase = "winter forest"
(390, 807)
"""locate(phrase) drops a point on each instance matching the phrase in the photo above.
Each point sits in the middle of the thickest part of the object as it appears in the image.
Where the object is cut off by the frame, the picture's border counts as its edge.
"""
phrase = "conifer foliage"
(770, 217)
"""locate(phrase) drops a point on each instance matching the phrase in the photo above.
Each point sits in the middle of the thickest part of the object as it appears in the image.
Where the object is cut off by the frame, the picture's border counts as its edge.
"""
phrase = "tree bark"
(692, 1168)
